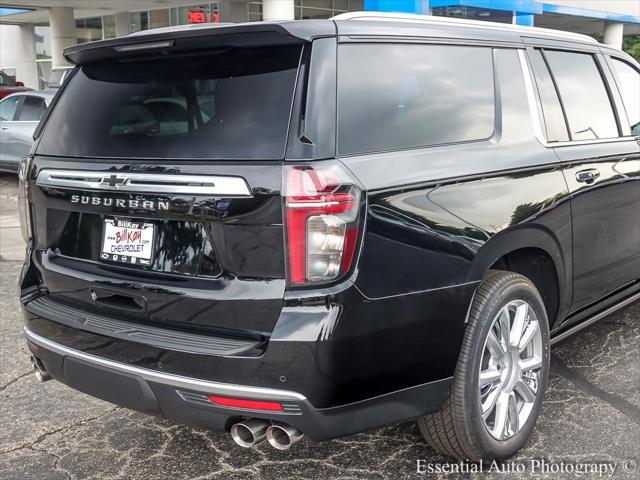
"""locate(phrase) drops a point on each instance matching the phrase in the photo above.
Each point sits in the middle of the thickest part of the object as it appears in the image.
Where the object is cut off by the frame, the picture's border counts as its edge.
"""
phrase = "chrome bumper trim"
(176, 381)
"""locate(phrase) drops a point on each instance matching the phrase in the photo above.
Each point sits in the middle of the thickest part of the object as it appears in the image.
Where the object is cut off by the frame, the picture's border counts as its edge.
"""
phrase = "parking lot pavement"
(48, 431)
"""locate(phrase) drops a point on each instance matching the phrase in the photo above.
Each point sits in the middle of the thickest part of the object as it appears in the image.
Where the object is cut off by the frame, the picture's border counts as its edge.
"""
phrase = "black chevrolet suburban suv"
(322, 227)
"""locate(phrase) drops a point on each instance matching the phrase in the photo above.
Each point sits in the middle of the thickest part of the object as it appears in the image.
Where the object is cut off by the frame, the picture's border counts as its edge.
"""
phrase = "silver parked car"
(19, 117)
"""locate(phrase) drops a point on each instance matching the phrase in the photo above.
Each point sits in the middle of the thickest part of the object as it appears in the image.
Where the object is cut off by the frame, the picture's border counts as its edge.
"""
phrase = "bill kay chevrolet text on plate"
(321, 227)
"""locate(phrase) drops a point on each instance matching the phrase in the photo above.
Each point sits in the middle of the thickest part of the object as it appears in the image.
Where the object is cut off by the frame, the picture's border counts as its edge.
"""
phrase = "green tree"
(631, 45)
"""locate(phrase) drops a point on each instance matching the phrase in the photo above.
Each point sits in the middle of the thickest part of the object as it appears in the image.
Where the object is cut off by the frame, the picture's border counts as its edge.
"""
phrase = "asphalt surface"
(48, 431)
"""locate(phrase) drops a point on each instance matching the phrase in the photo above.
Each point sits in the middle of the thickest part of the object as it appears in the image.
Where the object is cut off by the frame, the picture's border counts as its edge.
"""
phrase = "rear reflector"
(246, 404)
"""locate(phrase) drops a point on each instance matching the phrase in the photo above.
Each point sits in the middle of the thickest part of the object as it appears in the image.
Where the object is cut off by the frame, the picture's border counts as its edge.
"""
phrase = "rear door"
(156, 189)
(600, 159)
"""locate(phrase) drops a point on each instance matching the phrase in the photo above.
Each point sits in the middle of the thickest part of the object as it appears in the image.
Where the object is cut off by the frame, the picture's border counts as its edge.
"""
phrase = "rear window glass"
(226, 104)
(395, 96)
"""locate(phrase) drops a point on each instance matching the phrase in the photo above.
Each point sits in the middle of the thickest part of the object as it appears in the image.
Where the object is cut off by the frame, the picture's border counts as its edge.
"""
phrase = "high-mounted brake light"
(322, 206)
(136, 47)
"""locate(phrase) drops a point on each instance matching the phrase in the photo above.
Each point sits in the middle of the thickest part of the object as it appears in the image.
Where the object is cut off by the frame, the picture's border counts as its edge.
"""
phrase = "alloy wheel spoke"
(490, 402)
(512, 416)
(505, 326)
(500, 419)
(529, 364)
(528, 334)
(519, 323)
(525, 391)
(494, 345)
(489, 376)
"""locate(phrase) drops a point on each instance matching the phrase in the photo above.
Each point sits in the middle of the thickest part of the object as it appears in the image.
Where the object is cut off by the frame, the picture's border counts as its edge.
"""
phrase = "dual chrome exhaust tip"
(282, 436)
(39, 371)
(250, 432)
(253, 431)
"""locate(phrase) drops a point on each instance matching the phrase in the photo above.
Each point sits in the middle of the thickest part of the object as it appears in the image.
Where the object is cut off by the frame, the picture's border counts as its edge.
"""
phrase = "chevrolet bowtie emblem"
(114, 180)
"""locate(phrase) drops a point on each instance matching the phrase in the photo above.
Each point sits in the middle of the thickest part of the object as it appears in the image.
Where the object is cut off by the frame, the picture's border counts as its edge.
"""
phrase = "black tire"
(458, 429)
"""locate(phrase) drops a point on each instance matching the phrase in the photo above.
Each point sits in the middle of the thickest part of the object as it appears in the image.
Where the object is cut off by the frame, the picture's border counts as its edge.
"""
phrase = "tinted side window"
(8, 107)
(628, 80)
(32, 109)
(394, 96)
(584, 95)
(551, 108)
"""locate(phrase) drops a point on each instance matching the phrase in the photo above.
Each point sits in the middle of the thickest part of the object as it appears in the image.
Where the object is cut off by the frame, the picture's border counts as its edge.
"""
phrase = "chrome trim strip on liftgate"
(177, 381)
(144, 182)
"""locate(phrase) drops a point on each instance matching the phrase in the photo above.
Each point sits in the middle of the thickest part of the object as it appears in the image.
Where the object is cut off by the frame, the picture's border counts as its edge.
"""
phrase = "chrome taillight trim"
(134, 182)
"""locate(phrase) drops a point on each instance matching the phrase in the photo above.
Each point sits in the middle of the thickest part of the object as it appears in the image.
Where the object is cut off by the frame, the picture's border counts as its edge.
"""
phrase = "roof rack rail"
(437, 20)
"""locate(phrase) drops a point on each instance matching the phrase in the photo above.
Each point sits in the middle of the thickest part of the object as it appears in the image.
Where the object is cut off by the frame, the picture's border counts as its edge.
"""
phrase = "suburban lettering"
(119, 202)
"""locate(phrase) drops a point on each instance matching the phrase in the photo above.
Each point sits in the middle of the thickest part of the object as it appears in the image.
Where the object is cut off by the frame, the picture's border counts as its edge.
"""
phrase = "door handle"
(587, 176)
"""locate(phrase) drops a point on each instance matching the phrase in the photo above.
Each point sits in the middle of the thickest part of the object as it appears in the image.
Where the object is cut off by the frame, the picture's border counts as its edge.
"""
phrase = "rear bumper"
(184, 399)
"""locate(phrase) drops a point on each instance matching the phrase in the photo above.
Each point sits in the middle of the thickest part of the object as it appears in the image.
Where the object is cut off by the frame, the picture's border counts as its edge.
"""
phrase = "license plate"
(127, 241)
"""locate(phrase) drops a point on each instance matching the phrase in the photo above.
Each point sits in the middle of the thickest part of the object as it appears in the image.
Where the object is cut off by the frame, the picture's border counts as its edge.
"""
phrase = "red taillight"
(322, 206)
(246, 404)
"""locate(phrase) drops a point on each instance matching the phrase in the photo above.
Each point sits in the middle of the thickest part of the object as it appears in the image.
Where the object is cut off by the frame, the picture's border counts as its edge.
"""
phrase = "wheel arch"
(517, 250)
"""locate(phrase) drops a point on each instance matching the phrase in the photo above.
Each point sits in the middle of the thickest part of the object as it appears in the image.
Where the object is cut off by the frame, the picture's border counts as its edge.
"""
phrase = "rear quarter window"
(398, 96)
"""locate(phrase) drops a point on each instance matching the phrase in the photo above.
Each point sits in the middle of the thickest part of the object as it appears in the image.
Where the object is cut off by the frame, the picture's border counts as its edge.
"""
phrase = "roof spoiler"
(174, 40)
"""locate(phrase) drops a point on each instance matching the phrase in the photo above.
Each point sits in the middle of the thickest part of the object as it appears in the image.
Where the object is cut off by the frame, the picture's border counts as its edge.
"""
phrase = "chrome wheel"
(510, 370)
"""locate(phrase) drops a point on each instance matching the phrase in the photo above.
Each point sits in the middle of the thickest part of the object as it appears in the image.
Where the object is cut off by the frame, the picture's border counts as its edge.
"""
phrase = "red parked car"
(9, 86)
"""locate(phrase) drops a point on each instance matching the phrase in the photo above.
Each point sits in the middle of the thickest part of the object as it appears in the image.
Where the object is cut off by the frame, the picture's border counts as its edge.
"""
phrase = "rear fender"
(528, 236)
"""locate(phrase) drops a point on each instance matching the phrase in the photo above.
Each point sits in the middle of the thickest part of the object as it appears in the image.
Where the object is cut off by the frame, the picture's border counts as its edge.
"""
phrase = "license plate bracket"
(127, 241)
